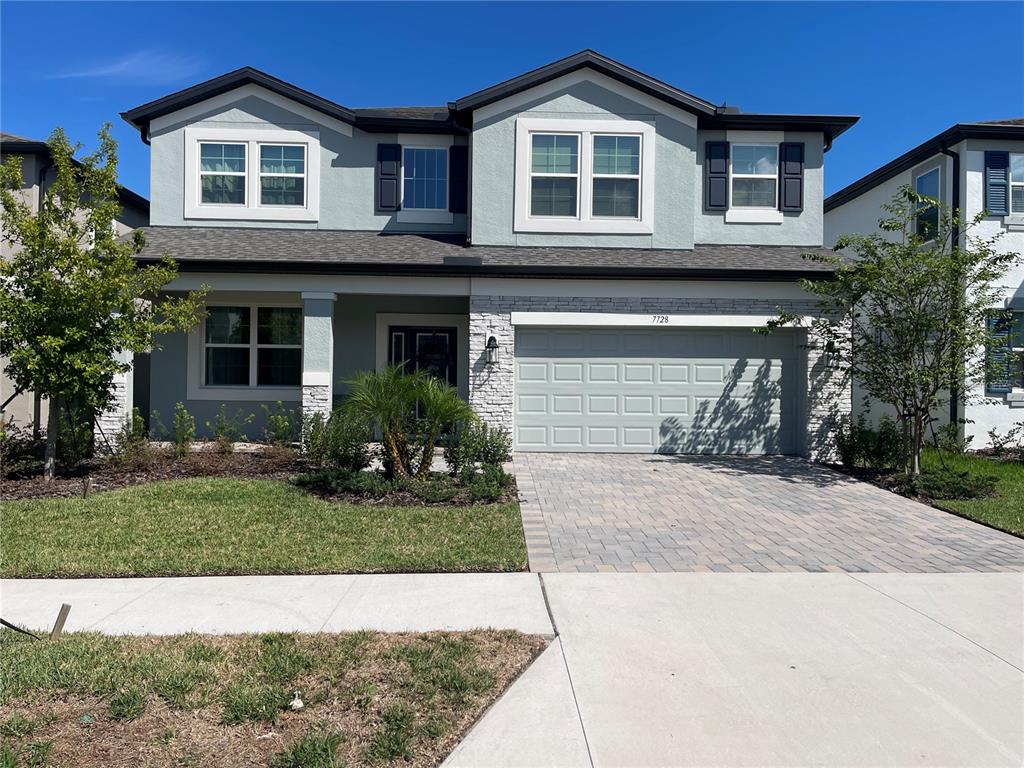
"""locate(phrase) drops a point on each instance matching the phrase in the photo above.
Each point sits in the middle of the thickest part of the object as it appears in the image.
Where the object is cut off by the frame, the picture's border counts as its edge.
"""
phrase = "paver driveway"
(619, 512)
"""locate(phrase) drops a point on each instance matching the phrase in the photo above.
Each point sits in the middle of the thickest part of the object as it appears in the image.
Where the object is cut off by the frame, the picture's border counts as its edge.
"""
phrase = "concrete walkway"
(230, 604)
(680, 669)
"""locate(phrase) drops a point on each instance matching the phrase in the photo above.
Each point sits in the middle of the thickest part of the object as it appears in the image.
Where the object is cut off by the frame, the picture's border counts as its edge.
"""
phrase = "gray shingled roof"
(404, 113)
(313, 250)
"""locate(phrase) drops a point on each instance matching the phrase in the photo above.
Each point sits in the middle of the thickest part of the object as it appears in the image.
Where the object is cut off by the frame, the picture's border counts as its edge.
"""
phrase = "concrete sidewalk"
(230, 604)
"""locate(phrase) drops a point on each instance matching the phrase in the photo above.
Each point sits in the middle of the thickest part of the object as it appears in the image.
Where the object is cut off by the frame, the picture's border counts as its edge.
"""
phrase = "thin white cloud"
(150, 66)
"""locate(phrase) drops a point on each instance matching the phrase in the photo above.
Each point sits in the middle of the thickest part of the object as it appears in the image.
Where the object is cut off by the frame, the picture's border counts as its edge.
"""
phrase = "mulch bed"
(105, 474)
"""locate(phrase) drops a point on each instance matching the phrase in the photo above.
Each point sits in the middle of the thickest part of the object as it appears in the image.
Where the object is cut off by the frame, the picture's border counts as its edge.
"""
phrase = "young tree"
(73, 295)
(906, 312)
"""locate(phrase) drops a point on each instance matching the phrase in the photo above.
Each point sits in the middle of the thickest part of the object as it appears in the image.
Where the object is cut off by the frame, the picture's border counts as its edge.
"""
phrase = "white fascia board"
(544, 90)
(612, 320)
(193, 111)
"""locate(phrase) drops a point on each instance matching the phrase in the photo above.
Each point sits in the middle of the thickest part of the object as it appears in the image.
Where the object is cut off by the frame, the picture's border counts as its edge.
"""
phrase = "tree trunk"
(398, 467)
(427, 458)
(915, 451)
(50, 462)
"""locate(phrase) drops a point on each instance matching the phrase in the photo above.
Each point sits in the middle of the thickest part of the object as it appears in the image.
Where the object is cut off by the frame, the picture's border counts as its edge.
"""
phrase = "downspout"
(954, 387)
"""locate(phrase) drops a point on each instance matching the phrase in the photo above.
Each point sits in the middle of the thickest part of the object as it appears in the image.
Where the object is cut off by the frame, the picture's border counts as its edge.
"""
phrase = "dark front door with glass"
(422, 348)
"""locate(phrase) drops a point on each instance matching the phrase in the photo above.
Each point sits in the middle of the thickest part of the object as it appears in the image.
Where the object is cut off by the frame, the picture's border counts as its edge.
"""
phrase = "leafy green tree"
(73, 295)
(906, 313)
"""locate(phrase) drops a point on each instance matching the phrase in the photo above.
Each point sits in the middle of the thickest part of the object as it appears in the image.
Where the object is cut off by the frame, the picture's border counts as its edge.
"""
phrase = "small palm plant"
(388, 400)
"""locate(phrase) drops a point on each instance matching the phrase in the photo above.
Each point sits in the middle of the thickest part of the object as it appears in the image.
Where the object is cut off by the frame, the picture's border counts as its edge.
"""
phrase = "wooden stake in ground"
(58, 626)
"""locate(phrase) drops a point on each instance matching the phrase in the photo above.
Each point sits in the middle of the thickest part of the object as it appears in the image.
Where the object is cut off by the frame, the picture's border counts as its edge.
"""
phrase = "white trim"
(755, 137)
(252, 138)
(316, 378)
(319, 295)
(559, 84)
(196, 389)
(219, 102)
(584, 222)
(459, 322)
(1010, 184)
(654, 320)
(754, 216)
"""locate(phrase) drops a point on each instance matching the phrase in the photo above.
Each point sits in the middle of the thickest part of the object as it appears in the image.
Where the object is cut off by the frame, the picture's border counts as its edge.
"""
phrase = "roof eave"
(831, 125)
(950, 136)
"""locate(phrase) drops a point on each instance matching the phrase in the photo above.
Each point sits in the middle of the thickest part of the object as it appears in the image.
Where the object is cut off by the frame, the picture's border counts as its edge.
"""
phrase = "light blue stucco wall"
(803, 228)
(347, 168)
(493, 171)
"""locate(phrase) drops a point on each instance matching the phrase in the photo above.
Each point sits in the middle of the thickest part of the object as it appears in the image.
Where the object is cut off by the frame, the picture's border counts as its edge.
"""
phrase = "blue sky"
(909, 70)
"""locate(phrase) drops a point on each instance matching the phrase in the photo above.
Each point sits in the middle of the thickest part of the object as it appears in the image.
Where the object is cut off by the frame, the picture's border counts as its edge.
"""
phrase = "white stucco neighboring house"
(582, 250)
(974, 167)
(26, 409)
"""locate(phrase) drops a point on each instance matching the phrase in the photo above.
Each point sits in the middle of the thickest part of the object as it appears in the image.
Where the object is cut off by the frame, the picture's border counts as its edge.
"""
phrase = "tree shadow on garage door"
(756, 416)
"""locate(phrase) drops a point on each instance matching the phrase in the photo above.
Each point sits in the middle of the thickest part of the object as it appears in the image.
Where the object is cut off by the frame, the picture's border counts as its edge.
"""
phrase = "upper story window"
(584, 176)
(282, 174)
(243, 174)
(927, 184)
(1016, 183)
(222, 173)
(755, 176)
(424, 179)
(1004, 357)
(554, 174)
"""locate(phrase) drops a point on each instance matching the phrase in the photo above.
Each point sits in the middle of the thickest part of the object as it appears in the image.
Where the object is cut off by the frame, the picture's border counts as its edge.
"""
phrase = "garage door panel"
(666, 390)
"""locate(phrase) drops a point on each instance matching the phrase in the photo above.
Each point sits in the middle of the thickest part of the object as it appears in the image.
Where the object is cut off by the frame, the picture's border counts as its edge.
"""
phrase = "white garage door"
(664, 390)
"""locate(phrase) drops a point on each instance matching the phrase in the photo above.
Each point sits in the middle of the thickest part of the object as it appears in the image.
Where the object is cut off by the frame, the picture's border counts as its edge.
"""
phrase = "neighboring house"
(38, 173)
(974, 167)
(582, 250)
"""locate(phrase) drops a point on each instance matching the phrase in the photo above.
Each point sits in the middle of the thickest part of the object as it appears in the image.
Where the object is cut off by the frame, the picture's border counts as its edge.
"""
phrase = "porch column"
(317, 353)
(119, 409)
(491, 386)
(829, 400)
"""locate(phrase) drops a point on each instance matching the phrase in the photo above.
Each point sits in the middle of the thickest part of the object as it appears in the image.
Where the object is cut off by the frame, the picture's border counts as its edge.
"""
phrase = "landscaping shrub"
(948, 439)
(1011, 440)
(477, 443)
(949, 484)
(17, 446)
(340, 441)
(132, 441)
(434, 491)
(488, 484)
(74, 436)
(183, 432)
(227, 430)
(282, 424)
(860, 446)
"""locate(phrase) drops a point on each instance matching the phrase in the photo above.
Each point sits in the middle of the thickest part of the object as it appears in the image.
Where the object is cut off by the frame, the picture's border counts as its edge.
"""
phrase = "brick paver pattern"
(645, 513)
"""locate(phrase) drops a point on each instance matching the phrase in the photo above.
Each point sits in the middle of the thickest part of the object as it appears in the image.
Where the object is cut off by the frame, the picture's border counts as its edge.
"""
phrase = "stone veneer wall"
(316, 398)
(491, 388)
(117, 412)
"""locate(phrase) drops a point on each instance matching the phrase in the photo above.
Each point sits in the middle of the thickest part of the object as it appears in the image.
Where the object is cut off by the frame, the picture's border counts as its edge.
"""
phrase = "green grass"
(225, 526)
(367, 697)
(1005, 510)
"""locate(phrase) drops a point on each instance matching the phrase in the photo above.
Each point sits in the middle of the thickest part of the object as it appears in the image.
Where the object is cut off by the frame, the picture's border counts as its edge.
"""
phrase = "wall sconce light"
(492, 351)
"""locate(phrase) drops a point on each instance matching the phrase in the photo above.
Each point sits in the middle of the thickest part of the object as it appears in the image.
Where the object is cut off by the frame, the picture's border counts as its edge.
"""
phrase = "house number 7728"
(659, 319)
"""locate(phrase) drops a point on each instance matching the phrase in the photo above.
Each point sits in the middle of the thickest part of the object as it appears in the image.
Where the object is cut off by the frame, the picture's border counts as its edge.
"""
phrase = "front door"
(424, 348)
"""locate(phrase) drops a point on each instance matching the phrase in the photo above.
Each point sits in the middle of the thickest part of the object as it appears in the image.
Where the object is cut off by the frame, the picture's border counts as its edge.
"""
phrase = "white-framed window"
(251, 174)
(554, 174)
(283, 174)
(425, 178)
(616, 176)
(222, 173)
(252, 346)
(754, 176)
(593, 176)
(928, 184)
(1016, 183)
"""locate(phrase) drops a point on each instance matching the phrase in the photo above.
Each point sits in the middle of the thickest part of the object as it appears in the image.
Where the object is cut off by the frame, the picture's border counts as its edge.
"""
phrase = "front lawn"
(216, 526)
(194, 700)
(1005, 510)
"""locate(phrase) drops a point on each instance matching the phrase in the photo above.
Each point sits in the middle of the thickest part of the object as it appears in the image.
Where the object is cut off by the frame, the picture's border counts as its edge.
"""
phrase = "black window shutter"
(458, 179)
(791, 176)
(997, 183)
(999, 356)
(716, 175)
(389, 175)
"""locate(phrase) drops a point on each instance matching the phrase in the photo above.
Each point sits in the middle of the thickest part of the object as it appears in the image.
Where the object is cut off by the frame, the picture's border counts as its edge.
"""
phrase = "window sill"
(585, 227)
(242, 213)
(413, 216)
(753, 216)
(1014, 222)
(246, 394)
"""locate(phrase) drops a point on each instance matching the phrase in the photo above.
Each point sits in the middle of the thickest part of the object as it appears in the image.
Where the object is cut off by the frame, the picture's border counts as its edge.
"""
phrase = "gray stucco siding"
(493, 171)
(803, 228)
(347, 168)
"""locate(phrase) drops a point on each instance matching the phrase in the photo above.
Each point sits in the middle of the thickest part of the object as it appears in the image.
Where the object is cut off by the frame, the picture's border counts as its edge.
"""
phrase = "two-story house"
(970, 167)
(582, 250)
(38, 173)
